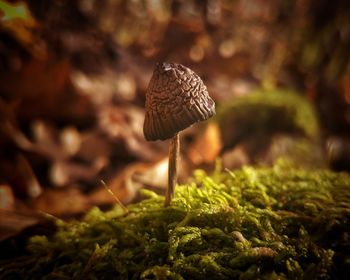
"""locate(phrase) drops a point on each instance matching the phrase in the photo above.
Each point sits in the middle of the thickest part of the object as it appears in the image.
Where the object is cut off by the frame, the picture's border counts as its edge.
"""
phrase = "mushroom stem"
(172, 168)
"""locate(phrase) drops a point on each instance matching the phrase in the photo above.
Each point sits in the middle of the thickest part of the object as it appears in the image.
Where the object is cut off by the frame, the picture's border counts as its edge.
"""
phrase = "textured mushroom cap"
(175, 99)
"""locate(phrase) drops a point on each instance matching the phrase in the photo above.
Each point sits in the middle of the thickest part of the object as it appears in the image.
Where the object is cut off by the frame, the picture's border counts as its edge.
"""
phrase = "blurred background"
(73, 77)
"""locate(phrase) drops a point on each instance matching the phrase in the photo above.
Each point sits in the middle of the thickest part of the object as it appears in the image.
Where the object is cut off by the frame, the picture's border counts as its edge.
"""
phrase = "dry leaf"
(7, 199)
(207, 146)
(11, 223)
(122, 186)
(21, 176)
(63, 173)
(134, 177)
(125, 125)
(62, 202)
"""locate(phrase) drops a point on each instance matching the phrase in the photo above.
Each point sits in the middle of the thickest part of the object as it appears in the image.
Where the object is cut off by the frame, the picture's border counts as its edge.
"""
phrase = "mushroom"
(176, 98)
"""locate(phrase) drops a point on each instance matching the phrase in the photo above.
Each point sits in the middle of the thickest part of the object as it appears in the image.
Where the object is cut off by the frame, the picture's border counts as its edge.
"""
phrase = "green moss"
(269, 124)
(253, 223)
(269, 111)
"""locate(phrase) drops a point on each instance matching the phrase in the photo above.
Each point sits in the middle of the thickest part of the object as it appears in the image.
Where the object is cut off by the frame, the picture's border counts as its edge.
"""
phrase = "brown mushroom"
(176, 98)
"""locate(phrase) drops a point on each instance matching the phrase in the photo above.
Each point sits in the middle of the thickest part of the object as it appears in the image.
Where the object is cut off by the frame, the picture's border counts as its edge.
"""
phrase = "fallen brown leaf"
(61, 202)
(207, 146)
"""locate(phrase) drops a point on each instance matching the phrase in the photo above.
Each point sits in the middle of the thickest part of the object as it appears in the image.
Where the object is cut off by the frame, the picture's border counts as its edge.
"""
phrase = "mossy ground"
(288, 111)
(253, 223)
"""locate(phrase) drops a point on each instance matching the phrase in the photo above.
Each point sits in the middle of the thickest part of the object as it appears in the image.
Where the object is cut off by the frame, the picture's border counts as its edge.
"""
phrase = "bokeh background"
(73, 77)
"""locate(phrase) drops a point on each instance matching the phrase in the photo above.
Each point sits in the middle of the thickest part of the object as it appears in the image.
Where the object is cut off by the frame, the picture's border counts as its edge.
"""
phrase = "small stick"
(114, 196)
(172, 168)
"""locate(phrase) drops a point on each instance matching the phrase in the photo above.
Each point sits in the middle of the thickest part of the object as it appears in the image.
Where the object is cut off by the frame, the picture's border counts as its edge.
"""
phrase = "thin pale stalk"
(172, 169)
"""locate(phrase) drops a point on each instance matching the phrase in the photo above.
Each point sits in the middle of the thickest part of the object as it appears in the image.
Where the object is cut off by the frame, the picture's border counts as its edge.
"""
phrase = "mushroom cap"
(176, 98)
